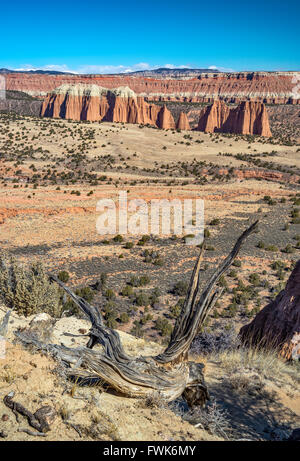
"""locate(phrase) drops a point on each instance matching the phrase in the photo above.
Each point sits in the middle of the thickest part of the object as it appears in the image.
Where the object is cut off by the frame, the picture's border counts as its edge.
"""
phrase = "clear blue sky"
(99, 36)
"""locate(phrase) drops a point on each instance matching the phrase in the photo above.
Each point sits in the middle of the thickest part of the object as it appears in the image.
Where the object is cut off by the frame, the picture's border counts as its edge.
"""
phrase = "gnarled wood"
(168, 373)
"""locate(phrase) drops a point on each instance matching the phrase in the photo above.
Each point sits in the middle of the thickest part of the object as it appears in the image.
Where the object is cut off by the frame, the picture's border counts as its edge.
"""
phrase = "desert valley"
(67, 141)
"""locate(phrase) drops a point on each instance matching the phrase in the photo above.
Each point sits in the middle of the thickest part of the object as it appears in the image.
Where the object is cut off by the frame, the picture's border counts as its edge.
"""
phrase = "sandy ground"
(97, 415)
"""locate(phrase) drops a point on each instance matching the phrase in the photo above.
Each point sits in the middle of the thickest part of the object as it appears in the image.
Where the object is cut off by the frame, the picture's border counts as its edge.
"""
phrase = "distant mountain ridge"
(3, 70)
(162, 71)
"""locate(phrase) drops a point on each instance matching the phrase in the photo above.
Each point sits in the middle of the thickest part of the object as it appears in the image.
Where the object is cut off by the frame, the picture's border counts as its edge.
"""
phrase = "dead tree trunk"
(169, 373)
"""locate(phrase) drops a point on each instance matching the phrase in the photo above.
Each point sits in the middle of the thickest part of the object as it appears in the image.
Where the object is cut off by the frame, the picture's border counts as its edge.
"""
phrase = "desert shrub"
(215, 222)
(63, 276)
(180, 288)
(175, 311)
(288, 249)
(101, 283)
(124, 317)
(127, 290)
(163, 326)
(128, 245)
(70, 308)
(254, 279)
(143, 240)
(210, 343)
(237, 263)
(154, 400)
(109, 294)
(137, 330)
(142, 299)
(206, 233)
(213, 419)
(27, 289)
(154, 296)
(118, 238)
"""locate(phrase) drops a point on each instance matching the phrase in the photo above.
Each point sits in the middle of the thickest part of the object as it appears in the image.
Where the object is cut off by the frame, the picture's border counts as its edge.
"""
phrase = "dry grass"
(265, 363)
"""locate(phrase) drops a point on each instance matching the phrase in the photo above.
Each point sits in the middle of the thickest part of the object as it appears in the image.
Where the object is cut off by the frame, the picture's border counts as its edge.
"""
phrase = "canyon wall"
(95, 103)
(249, 117)
(267, 87)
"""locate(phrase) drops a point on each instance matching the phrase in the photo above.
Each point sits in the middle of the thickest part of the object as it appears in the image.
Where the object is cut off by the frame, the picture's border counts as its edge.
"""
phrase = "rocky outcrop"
(95, 103)
(165, 119)
(183, 122)
(278, 324)
(267, 87)
(249, 117)
(213, 118)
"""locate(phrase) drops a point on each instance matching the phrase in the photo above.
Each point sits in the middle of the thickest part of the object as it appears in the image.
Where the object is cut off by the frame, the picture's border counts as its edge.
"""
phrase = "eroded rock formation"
(183, 122)
(278, 324)
(165, 119)
(249, 117)
(95, 103)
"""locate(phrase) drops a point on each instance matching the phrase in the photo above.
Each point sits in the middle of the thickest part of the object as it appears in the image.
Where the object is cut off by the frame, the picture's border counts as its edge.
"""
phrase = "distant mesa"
(249, 117)
(181, 85)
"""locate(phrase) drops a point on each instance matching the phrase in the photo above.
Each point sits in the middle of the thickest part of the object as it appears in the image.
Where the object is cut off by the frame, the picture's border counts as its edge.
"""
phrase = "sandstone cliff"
(268, 87)
(249, 117)
(183, 122)
(278, 324)
(165, 119)
(95, 103)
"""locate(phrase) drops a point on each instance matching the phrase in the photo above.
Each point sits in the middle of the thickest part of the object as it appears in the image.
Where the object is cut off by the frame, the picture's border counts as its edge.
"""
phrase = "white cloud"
(221, 69)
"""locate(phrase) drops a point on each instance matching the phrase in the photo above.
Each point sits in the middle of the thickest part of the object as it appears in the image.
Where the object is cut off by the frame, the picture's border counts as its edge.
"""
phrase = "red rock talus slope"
(92, 102)
(249, 117)
(278, 324)
(268, 87)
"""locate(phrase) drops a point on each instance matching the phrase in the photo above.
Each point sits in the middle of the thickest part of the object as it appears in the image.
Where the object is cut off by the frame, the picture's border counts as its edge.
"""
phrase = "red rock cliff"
(183, 122)
(249, 117)
(95, 103)
(278, 324)
(268, 87)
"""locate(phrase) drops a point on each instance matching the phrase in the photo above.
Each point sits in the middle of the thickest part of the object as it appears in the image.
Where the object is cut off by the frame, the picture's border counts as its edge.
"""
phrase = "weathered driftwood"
(169, 373)
(40, 420)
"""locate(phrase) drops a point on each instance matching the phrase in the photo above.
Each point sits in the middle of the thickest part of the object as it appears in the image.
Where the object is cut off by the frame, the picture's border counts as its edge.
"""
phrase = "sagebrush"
(27, 289)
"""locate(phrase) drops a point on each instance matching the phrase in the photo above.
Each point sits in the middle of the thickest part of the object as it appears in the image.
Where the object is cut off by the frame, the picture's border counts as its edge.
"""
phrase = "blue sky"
(115, 36)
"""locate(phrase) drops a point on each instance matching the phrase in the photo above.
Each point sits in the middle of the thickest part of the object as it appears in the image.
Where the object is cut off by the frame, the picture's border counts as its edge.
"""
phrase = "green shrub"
(180, 288)
(142, 299)
(215, 222)
(127, 290)
(63, 276)
(27, 289)
(124, 317)
(128, 245)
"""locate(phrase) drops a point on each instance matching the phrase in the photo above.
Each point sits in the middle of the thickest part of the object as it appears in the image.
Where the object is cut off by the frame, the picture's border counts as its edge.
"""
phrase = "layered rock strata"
(95, 103)
(267, 87)
(249, 117)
